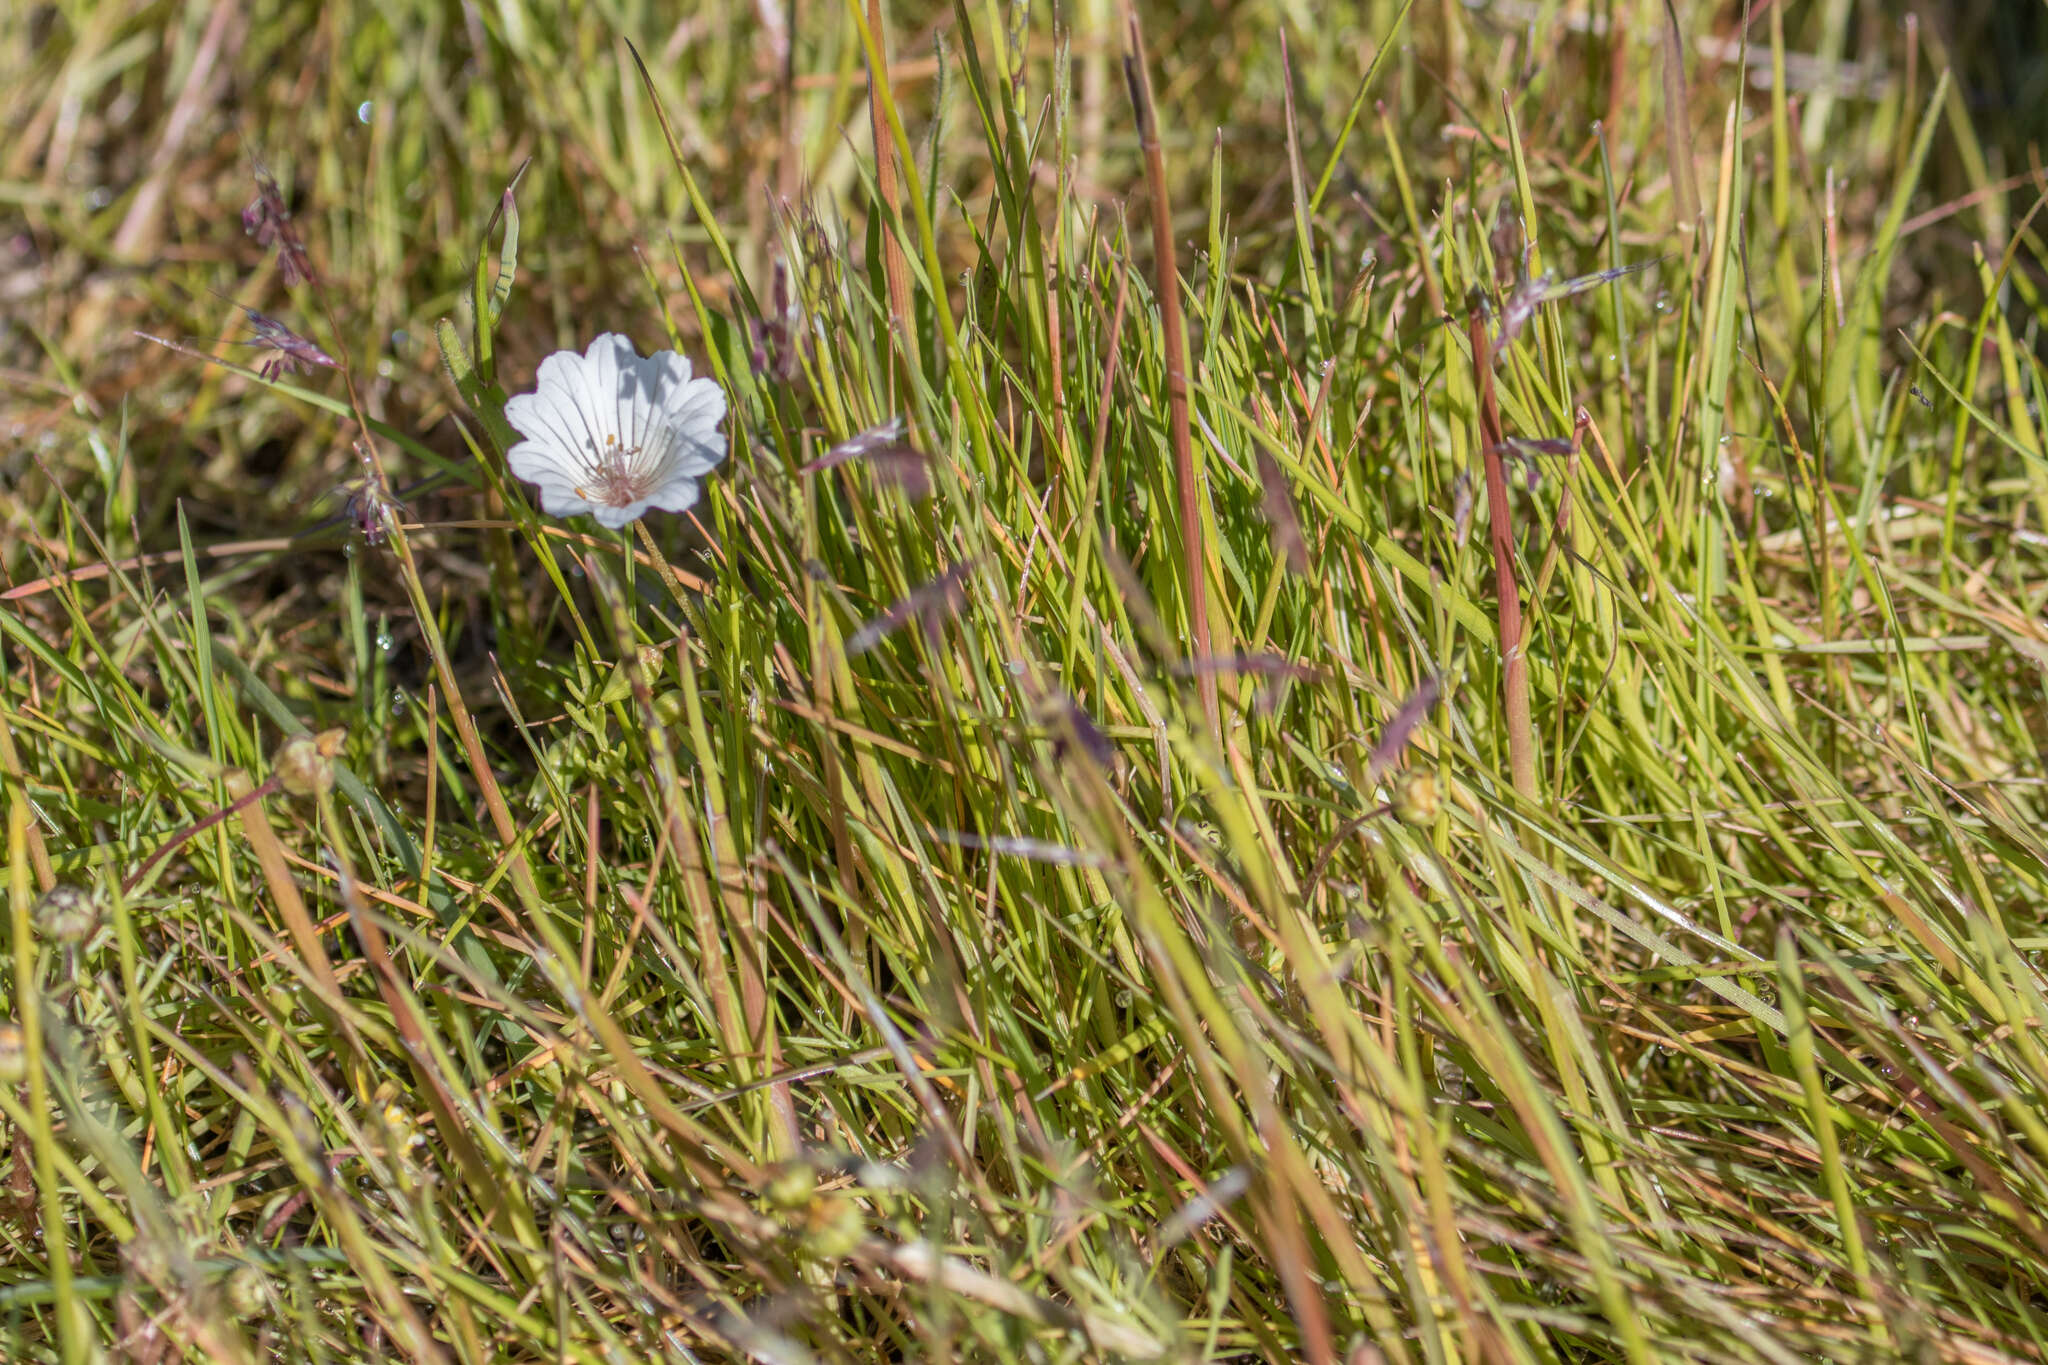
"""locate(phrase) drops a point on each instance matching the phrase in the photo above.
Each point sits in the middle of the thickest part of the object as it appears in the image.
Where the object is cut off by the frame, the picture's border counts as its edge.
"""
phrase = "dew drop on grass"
(364, 110)
(384, 641)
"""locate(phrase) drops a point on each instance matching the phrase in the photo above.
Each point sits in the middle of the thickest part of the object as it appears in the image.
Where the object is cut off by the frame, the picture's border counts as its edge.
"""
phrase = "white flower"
(611, 434)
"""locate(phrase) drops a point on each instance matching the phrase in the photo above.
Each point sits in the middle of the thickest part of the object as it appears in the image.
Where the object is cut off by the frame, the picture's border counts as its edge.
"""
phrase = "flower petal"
(532, 414)
(560, 499)
(677, 495)
(666, 372)
(612, 518)
(693, 419)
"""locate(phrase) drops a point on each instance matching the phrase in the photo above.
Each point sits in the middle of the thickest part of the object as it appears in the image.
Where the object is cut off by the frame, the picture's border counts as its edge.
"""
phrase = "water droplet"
(384, 641)
(99, 197)
(364, 110)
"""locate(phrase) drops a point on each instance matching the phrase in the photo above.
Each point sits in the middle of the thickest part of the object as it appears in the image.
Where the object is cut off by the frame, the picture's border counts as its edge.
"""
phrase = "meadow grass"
(1081, 879)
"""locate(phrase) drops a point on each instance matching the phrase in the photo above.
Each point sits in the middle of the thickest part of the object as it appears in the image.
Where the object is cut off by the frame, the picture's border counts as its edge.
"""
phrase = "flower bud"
(791, 1186)
(244, 1290)
(67, 914)
(1415, 797)
(833, 1227)
(305, 767)
(13, 1054)
(147, 1260)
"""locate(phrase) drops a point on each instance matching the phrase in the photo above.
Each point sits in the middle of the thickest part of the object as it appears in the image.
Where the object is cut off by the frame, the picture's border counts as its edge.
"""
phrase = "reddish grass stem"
(1193, 542)
(1501, 532)
(894, 269)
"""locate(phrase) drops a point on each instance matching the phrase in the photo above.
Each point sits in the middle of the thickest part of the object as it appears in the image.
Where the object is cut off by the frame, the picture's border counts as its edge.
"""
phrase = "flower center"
(616, 477)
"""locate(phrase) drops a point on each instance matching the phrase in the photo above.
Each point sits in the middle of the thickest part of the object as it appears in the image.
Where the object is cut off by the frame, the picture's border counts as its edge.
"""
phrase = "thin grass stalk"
(72, 1330)
(10, 766)
(1194, 545)
(1501, 532)
(1821, 1118)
